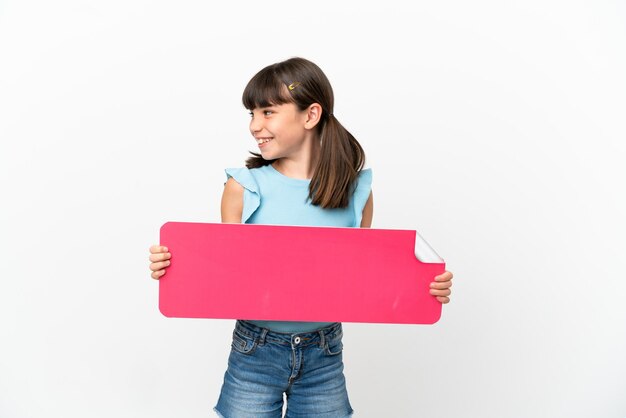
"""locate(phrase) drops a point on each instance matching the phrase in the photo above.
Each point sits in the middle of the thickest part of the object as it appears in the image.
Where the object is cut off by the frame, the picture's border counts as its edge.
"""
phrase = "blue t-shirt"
(271, 198)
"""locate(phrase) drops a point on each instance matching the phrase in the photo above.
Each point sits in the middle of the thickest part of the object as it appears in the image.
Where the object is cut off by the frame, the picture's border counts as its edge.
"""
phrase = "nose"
(255, 125)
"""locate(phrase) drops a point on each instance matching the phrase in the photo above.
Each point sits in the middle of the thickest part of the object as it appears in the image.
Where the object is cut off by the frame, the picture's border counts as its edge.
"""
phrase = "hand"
(441, 287)
(160, 259)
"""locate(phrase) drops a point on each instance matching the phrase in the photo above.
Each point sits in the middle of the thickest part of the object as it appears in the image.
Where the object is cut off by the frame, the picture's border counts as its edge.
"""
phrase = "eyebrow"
(263, 107)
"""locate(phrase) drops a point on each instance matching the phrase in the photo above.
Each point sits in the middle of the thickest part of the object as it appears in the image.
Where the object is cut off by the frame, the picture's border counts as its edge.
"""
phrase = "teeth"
(263, 141)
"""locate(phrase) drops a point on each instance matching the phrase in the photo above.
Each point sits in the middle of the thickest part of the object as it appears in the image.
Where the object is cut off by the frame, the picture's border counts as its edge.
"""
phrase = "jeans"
(306, 367)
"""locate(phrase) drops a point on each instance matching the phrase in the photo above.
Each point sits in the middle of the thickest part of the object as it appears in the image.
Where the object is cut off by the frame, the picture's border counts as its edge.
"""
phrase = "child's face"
(283, 125)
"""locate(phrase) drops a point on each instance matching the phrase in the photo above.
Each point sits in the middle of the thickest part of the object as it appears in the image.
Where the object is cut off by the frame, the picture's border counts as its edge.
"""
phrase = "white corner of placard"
(424, 252)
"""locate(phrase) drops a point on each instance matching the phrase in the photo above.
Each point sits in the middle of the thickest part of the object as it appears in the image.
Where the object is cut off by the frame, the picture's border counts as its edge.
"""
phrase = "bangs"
(265, 89)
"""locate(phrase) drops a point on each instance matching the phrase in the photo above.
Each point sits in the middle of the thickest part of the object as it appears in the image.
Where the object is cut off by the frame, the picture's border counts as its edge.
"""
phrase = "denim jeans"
(264, 364)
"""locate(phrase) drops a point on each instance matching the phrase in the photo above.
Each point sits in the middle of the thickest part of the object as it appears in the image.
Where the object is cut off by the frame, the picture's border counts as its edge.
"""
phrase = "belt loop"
(262, 337)
(322, 339)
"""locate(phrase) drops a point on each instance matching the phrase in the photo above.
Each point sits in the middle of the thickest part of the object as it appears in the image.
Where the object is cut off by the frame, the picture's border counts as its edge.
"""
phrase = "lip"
(261, 145)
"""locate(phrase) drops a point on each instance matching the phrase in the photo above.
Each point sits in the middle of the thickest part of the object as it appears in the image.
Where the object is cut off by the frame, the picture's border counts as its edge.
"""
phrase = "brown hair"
(341, 156)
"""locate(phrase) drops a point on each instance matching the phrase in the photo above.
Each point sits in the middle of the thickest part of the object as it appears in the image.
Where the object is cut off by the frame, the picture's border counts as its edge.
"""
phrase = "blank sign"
(298, 273)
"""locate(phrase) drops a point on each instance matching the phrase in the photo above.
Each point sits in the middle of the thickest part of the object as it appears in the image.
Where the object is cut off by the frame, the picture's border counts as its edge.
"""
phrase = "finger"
(441, 285)
(445, 292)
(160, 256)
(158, 249)
(157, 274)
(160, 265)
(443, 299)
(444, 277)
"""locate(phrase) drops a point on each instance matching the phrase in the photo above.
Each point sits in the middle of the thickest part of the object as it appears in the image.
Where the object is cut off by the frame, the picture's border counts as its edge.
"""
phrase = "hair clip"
(294, 85)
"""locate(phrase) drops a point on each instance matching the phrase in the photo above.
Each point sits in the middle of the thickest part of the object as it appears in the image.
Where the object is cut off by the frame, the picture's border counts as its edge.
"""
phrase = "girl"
(309, 172)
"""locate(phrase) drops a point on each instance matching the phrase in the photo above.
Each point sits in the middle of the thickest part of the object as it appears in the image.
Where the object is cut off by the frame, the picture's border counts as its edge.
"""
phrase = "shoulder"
(241, 193)
(245, 177)
(363, 181)
(232, 202)
(232, 196)
(232, 187)
(365, 176)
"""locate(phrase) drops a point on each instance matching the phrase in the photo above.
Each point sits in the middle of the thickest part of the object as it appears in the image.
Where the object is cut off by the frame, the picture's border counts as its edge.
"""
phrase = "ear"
(313, 116)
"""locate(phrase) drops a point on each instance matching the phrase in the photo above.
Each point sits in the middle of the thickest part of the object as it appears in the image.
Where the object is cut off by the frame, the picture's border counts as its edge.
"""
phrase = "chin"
(267, 155)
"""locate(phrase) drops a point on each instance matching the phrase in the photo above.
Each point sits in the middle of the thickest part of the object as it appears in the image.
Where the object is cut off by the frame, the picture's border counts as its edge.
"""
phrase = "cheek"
(294, 128)
(287, 129)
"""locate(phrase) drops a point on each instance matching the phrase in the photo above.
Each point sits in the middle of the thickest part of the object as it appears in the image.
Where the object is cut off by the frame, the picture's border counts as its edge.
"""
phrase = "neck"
(300, 164)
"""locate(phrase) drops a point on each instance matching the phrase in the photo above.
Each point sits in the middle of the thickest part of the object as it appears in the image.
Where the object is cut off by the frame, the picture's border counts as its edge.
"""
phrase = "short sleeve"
(251, 195)
(361, 194)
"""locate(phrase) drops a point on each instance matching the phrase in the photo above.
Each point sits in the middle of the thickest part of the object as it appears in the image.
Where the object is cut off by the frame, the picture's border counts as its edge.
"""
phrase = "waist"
(290, 327)
(308, 337)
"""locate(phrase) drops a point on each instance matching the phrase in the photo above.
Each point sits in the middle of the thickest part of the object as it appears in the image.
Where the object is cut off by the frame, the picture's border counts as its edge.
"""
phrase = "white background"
(496, 129)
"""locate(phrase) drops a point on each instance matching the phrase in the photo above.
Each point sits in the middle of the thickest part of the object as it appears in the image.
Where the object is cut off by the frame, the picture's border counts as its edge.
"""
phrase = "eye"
(267, 112)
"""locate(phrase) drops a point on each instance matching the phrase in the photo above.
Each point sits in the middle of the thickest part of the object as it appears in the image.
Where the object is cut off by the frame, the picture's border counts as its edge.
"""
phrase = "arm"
(368, 212)
(232, 202)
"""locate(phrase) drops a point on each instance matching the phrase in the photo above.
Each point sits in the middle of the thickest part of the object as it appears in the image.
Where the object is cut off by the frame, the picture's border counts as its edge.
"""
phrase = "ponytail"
(341, 159)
